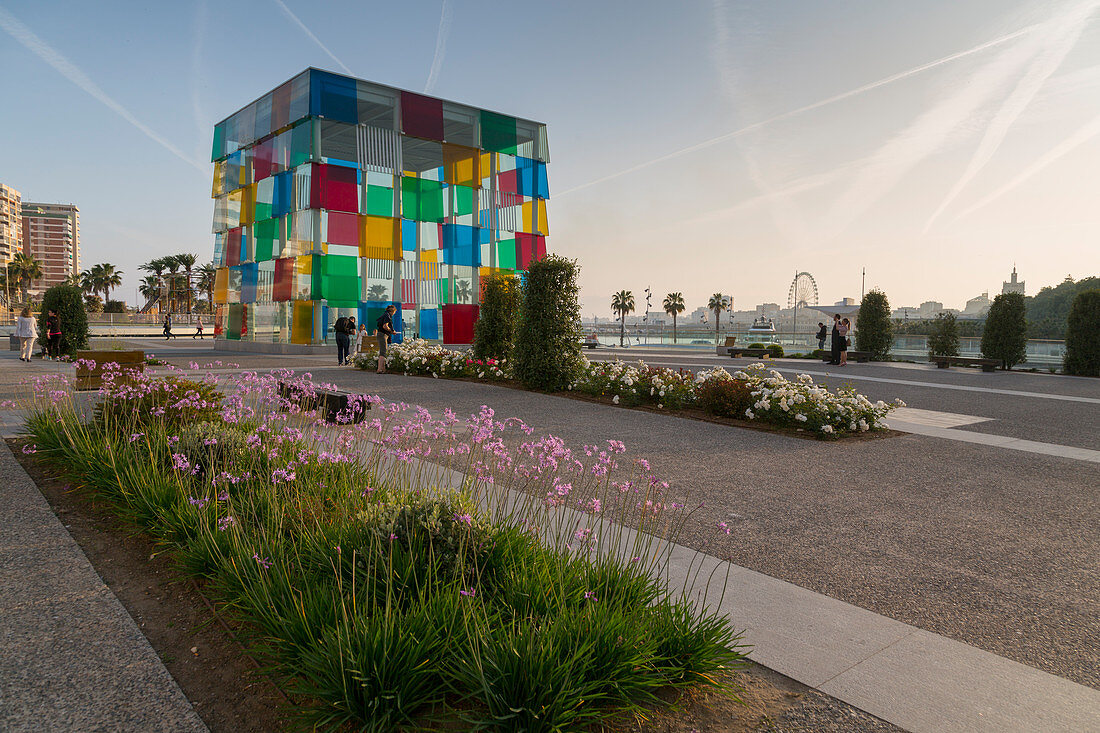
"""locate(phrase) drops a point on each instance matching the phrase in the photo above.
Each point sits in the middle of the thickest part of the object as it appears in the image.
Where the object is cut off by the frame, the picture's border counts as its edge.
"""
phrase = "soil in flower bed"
(229, 693)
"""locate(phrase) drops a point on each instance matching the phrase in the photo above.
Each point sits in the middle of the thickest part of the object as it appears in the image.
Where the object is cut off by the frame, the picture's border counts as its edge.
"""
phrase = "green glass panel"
(341, 280)
(301, 143)
(506, 254)
(233, 327)
(410, 197)
(431, 201)
(379, 201)
(498, 132)
(264, 248)
(464, 200)
(218, 149)
(441, 290)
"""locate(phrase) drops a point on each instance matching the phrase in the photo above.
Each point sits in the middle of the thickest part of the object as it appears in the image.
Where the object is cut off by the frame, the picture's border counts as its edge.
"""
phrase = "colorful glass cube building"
(335, 196)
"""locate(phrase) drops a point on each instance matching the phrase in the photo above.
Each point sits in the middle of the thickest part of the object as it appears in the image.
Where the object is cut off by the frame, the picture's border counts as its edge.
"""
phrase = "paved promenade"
(937, 582)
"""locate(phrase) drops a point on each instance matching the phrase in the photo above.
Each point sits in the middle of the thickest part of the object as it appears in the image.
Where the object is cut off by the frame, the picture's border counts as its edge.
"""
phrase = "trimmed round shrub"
(114, 306)
(495, 330)
(1083, 336)
(876, 331)
(774, 350)
(68, 302)
(725, 397)
(756, 345)
(547, 354)
(1005, 334)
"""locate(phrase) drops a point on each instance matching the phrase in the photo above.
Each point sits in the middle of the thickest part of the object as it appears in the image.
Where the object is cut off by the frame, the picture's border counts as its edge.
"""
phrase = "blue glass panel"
(333, 97)
(460, 243)
(408, 235)
(250, 278)
(429, 324)
(282, 198)
(369, 313)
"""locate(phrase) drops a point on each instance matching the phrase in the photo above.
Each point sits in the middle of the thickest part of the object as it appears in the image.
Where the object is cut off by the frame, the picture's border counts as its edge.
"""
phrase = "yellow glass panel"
(233, 208)
(301, 329)
(544, 226)
(429, 269)
(380, 238)
(534, 217)
(221, 285)
(429, 255)
(303, 265)
(461, 165)
(219, 178)
(248, 204)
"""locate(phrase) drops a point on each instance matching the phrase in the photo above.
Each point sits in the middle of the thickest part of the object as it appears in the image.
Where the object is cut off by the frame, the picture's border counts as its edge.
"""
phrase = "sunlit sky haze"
(695, 146)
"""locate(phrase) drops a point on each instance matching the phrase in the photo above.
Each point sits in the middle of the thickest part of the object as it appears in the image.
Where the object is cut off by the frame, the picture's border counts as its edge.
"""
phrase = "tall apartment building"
(51, 235)
(11, 224)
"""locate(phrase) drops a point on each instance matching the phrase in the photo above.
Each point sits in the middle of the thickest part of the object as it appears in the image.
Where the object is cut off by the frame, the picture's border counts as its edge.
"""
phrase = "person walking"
(167, 327)
(198, 329)
(26, 330)
(383, 334)
(340, 329)
(822, 332)
(845, 327)
(834, 343)
(53, 335)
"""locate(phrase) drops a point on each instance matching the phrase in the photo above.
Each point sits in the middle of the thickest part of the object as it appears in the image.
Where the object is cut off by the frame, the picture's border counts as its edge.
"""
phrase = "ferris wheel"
(803, 292)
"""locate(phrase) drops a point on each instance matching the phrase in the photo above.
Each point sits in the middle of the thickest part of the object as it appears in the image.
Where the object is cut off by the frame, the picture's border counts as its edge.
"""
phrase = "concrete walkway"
(71, 658)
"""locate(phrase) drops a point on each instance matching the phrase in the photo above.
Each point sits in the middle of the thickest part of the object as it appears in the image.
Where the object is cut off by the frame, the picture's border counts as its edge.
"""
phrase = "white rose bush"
(758, 394)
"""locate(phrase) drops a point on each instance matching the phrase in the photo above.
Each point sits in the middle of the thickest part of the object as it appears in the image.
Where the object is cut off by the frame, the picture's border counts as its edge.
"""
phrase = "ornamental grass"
(408, 570)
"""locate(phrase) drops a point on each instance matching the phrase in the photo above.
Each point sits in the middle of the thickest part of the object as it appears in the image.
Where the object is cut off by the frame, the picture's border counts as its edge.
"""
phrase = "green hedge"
(68, 301)
(1083, 335)
(495, 330)
(547, 354)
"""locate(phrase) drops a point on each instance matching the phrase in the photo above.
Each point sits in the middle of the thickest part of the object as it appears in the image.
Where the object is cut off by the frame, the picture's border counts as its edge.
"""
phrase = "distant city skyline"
(703, 147)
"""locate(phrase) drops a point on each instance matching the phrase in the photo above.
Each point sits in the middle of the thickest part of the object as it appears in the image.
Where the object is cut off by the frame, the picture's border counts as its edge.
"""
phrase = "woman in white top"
(26, 330)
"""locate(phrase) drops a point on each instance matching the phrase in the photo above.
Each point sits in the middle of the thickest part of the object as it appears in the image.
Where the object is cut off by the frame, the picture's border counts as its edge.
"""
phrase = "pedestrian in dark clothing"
(384, 332)
(167, 327)
(835, 342)
(343, 329)
(53, 335)
(822, 332)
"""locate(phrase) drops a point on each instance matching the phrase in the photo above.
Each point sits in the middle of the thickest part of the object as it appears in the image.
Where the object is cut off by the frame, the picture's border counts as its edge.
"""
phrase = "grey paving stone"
(72, 658)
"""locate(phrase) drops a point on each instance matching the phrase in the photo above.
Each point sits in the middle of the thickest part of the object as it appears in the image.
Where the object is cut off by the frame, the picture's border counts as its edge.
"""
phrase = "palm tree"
(378, 292)
(186, 260)
(674, 306)
(717, 304)
(110, 277)
(25, 269)
(622, 303)
(155, 266)
(150, 288)
(172, 266)
(462, 290)
(208, 276)
(74, 280)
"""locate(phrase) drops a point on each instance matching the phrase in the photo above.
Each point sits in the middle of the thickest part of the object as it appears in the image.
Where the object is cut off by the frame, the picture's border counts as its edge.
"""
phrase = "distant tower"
(1013, 285)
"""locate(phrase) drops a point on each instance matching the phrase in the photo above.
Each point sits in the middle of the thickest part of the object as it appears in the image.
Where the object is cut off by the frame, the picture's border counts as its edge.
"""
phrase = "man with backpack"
(343, 329)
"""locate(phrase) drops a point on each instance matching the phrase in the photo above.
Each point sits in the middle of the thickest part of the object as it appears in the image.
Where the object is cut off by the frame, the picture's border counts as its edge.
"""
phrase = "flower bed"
(422, 358)
(377, 592)
(797, 404)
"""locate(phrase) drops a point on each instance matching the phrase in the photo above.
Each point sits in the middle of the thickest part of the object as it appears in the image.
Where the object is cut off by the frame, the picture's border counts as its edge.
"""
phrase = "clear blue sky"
(936, 143)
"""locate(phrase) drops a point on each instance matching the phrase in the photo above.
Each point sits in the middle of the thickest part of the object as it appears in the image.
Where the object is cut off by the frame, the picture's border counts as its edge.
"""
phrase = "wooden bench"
(91, 377)
(739, 351)
(860, 356)
(942, 362)
(337, 406)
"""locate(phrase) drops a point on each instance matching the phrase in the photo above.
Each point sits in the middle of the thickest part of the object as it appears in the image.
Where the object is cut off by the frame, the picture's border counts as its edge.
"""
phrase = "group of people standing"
(347, 334)
(26, 330)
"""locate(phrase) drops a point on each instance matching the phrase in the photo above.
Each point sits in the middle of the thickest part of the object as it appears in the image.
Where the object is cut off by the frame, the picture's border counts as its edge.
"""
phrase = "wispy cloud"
(66, 68)
(202, 122)
(1053, 45)
(1067, 146)
(809, 107)
(290, 14)
(440, 45)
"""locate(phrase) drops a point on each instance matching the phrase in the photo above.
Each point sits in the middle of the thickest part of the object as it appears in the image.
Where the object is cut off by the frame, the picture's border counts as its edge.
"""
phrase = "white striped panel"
(378, 149)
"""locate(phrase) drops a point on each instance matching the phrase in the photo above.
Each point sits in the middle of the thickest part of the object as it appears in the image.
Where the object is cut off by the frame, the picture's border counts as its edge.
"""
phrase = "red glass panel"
(421, 116)
(342, 228)
(233, 247)
(458, 323)
(283, 288)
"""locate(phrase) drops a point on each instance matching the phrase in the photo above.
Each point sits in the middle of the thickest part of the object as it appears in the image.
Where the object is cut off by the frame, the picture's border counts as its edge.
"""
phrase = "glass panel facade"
(335, 195)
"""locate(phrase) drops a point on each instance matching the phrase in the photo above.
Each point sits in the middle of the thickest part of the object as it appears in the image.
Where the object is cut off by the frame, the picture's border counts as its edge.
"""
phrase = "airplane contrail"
(440, 46)
(290, 14)
(1066, 31)
(809, 107)
(66, 68)
(1083, 135)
